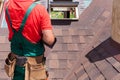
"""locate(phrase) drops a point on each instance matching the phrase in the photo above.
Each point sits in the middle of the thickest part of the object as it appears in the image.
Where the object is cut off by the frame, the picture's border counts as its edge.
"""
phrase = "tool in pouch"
(31, 70)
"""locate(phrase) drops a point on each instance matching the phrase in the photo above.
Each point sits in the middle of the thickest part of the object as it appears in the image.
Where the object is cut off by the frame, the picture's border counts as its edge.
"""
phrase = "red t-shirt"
(37, 21)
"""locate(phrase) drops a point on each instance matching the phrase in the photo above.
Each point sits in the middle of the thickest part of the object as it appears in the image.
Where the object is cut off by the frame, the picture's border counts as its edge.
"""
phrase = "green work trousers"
(19, 73)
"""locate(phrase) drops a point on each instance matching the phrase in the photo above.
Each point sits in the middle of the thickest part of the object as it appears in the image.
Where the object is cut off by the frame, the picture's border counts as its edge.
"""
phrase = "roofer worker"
(29, 26)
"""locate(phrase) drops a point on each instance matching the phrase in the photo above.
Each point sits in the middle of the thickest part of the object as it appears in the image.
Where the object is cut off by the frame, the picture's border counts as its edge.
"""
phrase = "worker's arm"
(48, 38)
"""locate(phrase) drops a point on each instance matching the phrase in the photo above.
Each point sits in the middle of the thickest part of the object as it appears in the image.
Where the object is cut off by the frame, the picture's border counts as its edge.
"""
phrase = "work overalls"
(21, 46)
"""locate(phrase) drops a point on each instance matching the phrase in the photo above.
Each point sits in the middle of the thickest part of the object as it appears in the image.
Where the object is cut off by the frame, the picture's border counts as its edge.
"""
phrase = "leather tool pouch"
(35, 69)
(10, 66)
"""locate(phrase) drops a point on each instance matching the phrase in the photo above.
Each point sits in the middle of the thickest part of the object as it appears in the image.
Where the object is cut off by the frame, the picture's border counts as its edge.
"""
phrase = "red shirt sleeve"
(45, 20)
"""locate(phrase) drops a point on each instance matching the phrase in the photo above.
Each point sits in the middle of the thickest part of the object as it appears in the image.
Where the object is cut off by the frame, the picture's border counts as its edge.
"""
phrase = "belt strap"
(26, 16)
(21, 60)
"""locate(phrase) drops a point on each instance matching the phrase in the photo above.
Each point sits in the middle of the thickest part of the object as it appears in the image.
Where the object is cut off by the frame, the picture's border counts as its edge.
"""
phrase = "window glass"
(2, 15)
(3, 22)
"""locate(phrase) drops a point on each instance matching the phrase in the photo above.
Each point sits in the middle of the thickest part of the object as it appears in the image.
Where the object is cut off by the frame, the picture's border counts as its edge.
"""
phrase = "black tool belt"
(21, 60)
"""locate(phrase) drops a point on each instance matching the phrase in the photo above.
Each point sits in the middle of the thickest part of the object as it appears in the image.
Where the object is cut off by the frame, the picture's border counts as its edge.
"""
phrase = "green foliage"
(60, 15)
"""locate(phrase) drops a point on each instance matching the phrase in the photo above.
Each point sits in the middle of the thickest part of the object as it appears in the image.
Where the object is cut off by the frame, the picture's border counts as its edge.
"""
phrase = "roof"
(84, 50)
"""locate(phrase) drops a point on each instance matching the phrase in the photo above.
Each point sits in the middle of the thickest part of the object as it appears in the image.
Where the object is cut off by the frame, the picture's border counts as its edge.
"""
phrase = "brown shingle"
(67, 39)
(5, 47)
(72, 47)
(58, 32)
(106, 69)
(3, 39)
